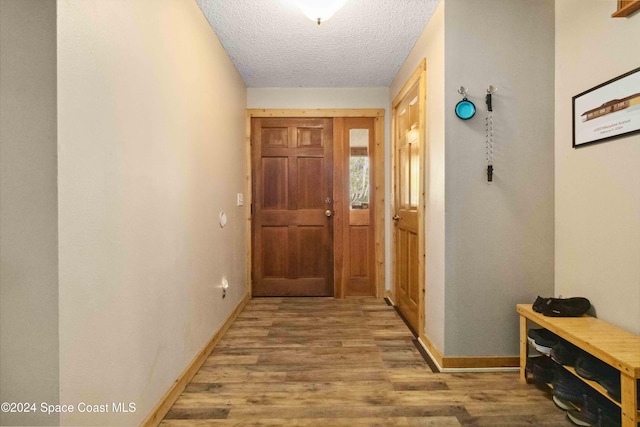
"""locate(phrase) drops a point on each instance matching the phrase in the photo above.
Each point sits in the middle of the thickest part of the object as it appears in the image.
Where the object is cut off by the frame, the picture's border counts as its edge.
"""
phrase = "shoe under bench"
(614, 346)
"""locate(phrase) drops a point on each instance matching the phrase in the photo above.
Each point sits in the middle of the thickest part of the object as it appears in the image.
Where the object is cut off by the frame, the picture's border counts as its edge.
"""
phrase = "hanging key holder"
(489, 132)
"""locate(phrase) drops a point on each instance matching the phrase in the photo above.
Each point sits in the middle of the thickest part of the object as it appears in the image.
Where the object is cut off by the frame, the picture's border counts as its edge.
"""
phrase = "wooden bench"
(612, 345)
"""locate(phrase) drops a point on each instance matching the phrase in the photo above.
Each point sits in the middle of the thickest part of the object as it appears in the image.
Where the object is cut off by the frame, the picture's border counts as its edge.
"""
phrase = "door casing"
(378, 184)
(419, 77)
(354, 252)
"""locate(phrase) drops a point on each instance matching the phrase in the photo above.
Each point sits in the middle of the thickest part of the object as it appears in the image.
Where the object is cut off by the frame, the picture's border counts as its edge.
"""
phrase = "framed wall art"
(608, 111)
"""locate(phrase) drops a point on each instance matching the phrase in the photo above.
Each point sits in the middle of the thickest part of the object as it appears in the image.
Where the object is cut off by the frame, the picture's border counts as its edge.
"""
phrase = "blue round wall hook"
(465, 109)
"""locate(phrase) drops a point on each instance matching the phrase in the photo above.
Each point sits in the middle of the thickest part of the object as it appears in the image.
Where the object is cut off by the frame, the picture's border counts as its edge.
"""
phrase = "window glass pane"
(359, 168)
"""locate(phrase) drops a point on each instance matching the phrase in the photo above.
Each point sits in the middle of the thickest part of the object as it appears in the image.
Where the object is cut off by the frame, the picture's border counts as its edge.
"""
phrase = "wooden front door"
(407, 200)
(292, 206)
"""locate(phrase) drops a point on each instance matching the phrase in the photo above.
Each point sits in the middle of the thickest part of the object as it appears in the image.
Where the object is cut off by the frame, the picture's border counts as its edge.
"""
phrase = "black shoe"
(611, 383)
(595, 411)
(569, 388)
(608, 413)
(543, 370)
(539, 303)
(608, 421)
(577, 418)
(542, 339)
(594, 369)
(565, 353)
(591, 408)
(564, 404)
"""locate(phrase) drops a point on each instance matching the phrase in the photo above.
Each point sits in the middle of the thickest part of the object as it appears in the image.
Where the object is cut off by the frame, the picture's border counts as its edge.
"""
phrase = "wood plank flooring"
(352, 362)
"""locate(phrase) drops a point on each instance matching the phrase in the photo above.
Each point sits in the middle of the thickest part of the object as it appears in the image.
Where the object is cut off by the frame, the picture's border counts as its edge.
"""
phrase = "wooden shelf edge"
(593, 384)
(627, 10)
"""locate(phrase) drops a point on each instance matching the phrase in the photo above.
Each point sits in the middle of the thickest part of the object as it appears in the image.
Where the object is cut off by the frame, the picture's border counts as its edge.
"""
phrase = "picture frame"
(608, 111)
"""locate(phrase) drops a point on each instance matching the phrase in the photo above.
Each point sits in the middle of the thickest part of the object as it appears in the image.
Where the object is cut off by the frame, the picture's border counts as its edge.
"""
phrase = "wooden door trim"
(378, 179)
(317, 112)
(338, 206)
(419, 75)
(379, 165)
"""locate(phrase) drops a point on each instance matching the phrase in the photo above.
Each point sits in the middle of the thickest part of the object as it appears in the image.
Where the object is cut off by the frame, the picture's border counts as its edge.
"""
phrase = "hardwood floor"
(327, 362)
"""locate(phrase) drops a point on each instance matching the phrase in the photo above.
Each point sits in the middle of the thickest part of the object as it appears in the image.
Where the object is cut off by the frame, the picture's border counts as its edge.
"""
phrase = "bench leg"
(629, 401)
(524, 348)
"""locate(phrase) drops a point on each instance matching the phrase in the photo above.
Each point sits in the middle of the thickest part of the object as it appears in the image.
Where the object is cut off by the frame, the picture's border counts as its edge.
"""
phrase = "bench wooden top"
(609, 343)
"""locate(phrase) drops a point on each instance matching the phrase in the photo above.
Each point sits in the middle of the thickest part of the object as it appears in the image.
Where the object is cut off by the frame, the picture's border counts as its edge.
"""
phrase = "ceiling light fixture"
(319, 10)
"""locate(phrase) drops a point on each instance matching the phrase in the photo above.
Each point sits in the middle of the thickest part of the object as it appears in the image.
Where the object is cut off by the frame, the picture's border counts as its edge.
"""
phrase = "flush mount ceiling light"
(319, 10)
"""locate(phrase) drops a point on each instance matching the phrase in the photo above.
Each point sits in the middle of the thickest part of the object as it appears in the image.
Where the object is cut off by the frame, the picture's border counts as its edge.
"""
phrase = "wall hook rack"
(489, 132)
(490, 91)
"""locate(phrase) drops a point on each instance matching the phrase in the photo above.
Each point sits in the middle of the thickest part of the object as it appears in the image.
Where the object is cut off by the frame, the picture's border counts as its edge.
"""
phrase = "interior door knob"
(328, 213)
(396, 218)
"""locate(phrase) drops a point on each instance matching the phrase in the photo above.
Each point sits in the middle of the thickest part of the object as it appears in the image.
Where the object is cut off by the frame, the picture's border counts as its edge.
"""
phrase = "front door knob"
(328, 213)
(396, 218)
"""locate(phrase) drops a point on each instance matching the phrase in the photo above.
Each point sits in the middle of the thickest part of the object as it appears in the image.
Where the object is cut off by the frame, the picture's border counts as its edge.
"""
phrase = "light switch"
(240, 199)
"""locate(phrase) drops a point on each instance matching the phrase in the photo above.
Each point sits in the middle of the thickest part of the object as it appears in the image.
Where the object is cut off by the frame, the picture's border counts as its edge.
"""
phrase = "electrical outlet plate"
(240, 199)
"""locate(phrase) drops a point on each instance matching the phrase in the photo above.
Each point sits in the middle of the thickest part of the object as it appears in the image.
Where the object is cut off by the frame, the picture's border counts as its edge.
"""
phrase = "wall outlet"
(224, 286)
(222, 219)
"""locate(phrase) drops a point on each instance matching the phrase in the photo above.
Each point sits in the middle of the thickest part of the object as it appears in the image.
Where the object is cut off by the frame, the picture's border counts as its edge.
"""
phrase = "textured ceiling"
(273, 44)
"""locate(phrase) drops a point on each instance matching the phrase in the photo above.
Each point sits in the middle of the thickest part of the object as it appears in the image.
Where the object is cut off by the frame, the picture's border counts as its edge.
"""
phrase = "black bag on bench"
(562, 307)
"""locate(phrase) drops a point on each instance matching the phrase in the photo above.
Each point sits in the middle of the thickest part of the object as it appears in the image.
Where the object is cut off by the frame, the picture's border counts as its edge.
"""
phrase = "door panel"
(274, 179)
(275, 137)
(310, 182)
(311, 263)
(310, 137)
(413, 284)
(407, 192)
(356, 201)
(404, 177)
(359, 253)
(275, 242)
(292, 236)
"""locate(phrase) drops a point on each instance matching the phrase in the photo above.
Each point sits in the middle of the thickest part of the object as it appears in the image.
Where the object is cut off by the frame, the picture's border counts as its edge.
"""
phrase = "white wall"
(430, 46)
(488, 246)
(151, 134)
(28, 209)
(334, 97)
(499, 235)
(325, 97)
(597, 186)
